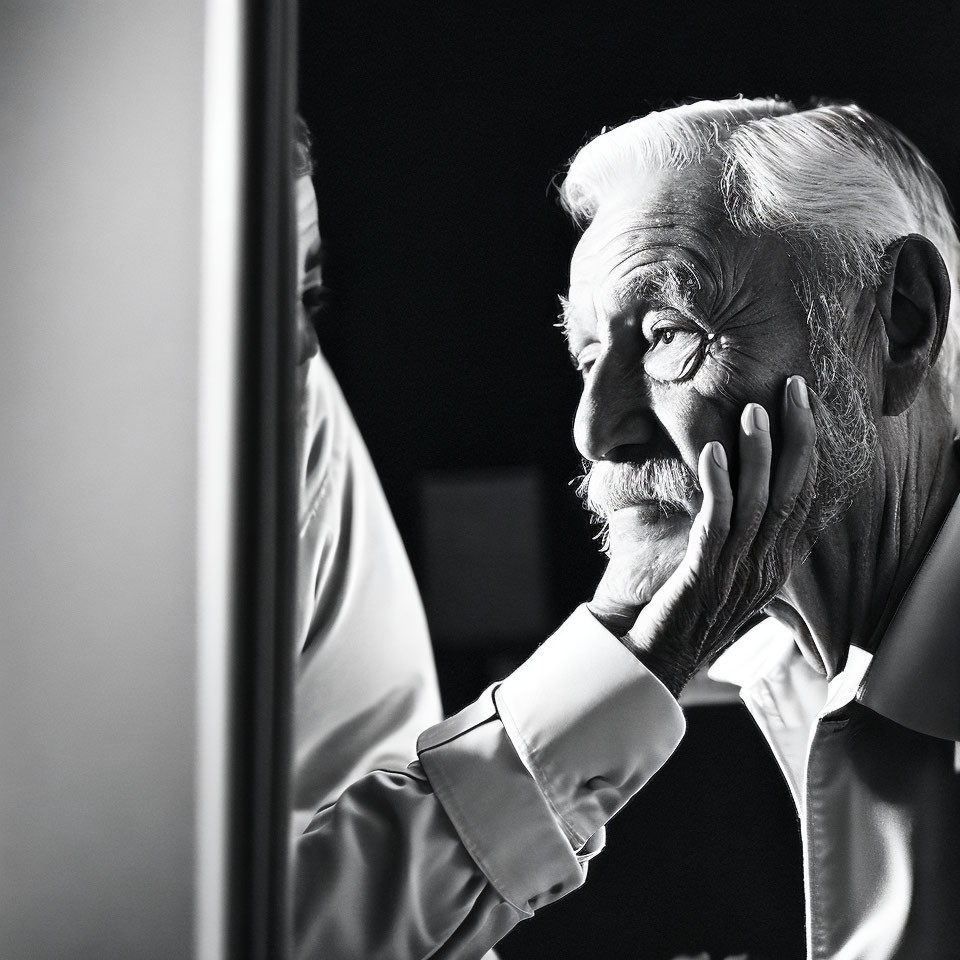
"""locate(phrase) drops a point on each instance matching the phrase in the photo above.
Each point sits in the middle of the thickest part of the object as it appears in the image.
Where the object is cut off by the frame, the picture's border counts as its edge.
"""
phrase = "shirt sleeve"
(590, 725)
(385, 872)
(497, 818)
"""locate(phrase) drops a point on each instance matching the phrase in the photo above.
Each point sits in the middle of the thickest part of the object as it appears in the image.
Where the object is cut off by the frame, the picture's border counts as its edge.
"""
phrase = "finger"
(753, 486)
(711, 526)
(753, 490)
(796, 457)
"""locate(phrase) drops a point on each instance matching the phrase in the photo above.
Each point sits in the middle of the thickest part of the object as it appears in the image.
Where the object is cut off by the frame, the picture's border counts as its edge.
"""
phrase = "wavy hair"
(835, 181)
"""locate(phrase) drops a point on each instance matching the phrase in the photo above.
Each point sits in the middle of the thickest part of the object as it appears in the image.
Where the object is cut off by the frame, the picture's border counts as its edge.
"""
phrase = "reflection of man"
(757, 304)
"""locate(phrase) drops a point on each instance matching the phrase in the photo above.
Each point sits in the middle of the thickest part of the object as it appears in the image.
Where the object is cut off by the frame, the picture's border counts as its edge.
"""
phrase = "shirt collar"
(914, 677)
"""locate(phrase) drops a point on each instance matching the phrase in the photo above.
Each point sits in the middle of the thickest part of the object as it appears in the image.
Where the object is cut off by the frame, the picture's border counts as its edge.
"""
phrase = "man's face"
(676, 321)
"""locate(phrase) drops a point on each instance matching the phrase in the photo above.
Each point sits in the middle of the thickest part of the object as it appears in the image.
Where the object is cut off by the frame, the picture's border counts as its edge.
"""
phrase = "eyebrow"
(669, 285)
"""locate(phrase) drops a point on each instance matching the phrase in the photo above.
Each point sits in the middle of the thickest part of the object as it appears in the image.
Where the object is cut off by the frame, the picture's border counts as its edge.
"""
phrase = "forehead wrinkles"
(612, 264)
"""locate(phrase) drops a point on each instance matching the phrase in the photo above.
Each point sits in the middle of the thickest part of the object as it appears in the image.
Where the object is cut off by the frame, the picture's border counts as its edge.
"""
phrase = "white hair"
(833, 180)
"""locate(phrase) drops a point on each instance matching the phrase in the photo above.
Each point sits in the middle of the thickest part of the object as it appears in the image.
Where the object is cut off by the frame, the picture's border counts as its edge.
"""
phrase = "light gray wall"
(100, 164)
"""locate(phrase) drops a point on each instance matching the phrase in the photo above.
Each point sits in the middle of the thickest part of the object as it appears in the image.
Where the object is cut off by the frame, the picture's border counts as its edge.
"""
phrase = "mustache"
(609, 486)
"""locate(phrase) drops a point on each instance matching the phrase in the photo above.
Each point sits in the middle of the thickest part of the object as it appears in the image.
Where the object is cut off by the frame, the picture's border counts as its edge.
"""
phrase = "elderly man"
(730, 247)
(760, 308)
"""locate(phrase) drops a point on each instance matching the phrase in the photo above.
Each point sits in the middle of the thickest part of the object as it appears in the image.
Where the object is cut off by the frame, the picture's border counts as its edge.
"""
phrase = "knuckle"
(753, 512)
(692, 578)
(690, 575)
(746, 532)
(713, 535)
(779, 511)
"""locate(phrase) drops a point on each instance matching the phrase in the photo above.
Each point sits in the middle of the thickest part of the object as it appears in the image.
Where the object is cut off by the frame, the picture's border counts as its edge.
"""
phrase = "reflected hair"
(302, 149)
(835, 181)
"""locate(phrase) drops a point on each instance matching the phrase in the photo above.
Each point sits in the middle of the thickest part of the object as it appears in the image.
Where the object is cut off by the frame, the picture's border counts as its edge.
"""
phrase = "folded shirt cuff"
(590, 723)
(497, 808)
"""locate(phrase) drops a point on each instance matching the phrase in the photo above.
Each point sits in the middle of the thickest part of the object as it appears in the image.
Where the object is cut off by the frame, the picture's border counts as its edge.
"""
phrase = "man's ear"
(914, 301)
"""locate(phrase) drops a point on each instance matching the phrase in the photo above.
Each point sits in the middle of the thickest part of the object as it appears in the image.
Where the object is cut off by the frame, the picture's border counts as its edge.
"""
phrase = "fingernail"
(761, 421)
(798, 392)
(719, 455)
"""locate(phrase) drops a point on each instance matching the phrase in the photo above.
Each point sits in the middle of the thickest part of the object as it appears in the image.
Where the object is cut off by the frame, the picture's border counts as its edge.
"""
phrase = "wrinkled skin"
(736, 557)
(674, 377)
(692, 584)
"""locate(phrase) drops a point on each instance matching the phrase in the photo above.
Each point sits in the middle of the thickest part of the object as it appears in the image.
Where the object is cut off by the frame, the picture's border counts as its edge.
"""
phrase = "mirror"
(438, 135)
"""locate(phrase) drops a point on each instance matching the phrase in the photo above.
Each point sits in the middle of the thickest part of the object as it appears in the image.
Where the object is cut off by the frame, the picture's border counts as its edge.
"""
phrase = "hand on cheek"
(739, 552)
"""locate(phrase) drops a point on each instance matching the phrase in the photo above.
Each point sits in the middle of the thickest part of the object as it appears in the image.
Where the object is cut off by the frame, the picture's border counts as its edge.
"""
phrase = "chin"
(655, 537)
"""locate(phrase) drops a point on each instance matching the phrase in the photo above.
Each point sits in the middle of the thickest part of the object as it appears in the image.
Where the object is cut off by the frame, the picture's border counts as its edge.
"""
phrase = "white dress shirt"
(870, 759)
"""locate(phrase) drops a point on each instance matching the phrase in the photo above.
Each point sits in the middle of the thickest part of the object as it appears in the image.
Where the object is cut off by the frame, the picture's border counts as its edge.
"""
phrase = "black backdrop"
(438, 129)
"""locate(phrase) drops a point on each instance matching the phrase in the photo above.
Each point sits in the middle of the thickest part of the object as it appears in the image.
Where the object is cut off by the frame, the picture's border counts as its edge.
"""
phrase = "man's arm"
(440, 856)
(499, 816)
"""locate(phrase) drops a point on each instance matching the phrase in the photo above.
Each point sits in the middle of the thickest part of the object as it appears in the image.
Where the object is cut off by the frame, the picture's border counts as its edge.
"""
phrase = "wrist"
(671, 668)
(617, 618)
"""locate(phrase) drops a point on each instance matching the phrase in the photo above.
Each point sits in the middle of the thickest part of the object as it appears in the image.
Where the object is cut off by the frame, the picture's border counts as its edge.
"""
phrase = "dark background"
(438, 130)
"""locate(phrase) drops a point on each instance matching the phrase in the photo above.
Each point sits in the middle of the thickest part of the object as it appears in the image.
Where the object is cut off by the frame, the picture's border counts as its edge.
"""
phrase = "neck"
(850, 586)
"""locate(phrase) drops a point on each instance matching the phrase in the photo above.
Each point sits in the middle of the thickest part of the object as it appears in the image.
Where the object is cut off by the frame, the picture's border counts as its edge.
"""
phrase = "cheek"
(738, 371)
(692, 417)
(653, 547)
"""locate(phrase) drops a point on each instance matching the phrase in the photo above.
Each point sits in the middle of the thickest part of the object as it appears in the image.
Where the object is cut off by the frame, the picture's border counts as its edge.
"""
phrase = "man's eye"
(674, 353)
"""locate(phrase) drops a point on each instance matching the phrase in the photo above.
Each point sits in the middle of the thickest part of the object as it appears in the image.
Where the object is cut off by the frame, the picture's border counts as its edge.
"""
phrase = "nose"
(614, 412)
